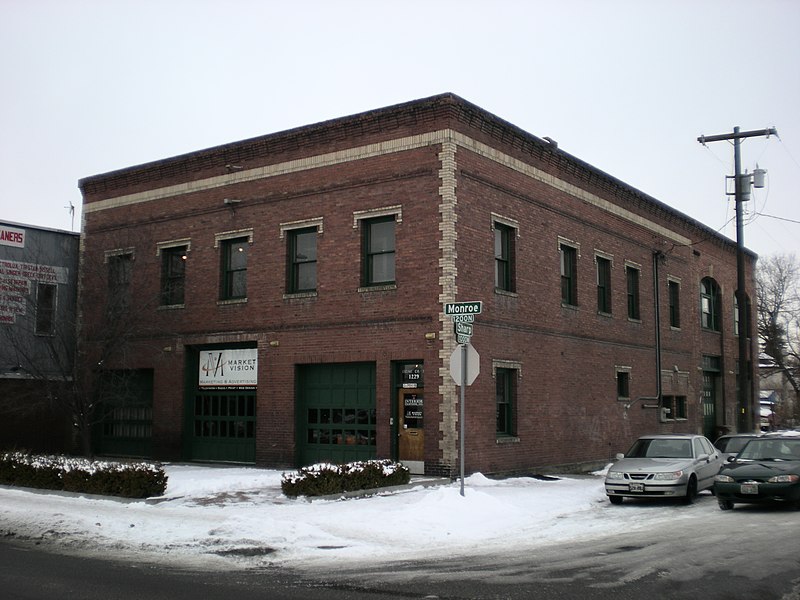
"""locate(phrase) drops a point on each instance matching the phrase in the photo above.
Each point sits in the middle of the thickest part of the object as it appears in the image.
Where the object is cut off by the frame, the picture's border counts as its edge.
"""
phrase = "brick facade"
(448, 172)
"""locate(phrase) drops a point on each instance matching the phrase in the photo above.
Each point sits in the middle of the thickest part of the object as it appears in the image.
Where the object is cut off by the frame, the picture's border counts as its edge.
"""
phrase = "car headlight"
(615, 475)
(784, 479)
(670, 475)
(724, 479)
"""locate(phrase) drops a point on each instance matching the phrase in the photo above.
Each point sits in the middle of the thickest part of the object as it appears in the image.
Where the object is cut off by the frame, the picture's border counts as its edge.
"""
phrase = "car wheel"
(724, 504)
(691, 491)
(615, 499)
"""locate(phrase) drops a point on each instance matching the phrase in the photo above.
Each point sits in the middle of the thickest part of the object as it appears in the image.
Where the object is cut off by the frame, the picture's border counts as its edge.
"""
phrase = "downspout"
(657, 256)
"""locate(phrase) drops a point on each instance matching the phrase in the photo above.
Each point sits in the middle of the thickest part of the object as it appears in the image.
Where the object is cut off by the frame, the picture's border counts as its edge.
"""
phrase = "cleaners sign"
(228, 368)
(11, 236)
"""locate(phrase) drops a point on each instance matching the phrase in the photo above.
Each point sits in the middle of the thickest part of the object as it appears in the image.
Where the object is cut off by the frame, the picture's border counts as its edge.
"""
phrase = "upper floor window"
(674, 303)
(302, 260)
(120, 274)
(632, 279)
(378, 242)
(504, 254)
(569, 274)
(603, 284)
(234, 268)
(709, 304)
(45, 308)
(747, 317)
(173, 275)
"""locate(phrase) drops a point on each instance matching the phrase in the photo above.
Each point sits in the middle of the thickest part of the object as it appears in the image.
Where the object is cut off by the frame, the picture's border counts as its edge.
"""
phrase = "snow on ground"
(239, 516)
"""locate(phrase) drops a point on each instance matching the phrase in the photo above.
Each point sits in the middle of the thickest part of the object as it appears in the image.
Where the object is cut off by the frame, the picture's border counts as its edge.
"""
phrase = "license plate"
(636, 487)
(748, 488)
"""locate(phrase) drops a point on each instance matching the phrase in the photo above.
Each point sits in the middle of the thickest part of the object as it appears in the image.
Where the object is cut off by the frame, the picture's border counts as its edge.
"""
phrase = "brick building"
(281, 299)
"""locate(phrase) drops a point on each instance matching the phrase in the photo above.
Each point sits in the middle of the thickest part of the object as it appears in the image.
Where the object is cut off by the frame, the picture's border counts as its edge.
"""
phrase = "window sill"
(507, 439)
(607, 315)
(509, 293)
(569, 306)
(299, 295)
(172, 307)
(632, 320)
(378, 288)
(232, 301)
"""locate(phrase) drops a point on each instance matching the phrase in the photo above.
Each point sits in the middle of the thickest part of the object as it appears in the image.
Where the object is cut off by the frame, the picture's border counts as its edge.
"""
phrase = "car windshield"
(771, 449)
(732, 444)
(658, 448)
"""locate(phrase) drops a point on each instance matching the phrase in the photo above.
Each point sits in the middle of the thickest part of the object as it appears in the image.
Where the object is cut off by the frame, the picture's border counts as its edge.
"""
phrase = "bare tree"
(778, 298)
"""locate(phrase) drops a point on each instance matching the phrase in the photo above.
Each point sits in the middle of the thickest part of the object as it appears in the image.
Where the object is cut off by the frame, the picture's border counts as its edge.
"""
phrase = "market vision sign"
(228, 368)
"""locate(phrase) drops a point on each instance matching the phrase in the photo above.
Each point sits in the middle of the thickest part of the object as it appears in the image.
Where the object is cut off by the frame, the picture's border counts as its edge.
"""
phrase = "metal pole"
(462, 413)
(743, 422)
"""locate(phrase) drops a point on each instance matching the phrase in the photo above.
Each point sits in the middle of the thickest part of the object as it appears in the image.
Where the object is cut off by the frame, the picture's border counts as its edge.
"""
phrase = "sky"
(91, 86)
(210, 514)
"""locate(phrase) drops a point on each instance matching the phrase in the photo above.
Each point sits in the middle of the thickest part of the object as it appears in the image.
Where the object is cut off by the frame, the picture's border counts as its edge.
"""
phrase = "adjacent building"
(280, 300)
(38, 282)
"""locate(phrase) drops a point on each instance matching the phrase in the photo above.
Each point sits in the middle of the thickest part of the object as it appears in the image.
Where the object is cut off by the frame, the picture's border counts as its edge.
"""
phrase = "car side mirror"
(619, 456)
(731, 458)
(704, 457)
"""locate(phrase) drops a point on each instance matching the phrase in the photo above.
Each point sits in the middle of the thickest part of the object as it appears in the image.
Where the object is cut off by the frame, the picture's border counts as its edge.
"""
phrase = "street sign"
(473, 366)
(462, 339)
(463, 308)
(464, 329)
(462, 318)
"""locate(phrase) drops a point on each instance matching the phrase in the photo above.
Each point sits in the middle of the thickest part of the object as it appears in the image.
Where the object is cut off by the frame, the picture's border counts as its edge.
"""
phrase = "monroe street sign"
(463, 308)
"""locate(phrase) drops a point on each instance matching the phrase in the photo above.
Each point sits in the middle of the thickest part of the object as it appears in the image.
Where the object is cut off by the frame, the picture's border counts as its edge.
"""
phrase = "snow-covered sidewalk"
(238, 515)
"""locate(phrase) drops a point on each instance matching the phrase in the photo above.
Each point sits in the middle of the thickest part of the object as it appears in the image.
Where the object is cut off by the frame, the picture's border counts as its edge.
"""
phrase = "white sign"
(11, 236)
(228, 368)
(15, 285)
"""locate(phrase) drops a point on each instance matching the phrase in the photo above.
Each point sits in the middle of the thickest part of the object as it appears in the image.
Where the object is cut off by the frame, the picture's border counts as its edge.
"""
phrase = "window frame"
(294, 265)
(505, 399)
(45, 319)
(603, 266)
(623, 382)
(673, 405)
(633, 275)
(369, 254)
(120, 276)
(710, 305)
(229, 273)
(505, 253)
(568, 257)
(170, 280)
(674, 299)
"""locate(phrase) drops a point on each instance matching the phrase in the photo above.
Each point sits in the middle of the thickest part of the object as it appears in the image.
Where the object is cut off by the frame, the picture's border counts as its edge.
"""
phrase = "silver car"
(664, 466)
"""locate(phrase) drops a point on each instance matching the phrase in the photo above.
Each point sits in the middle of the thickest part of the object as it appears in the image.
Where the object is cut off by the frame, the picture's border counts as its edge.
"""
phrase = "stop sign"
(473, 366)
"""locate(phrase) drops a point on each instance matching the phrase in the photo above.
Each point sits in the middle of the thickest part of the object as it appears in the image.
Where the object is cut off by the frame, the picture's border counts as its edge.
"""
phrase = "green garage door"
(224, 426)
(335, 413)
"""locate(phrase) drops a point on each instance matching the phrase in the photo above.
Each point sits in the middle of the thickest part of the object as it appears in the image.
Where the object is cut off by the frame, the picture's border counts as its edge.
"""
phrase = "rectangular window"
(673, 408)
(674, 304)
(120, 272)
(603, 284)
(623, 385)
(45, 308)
(234, 269)
(569, 274)
(632, 277)
(378, 239)
(302, 264)
(173, 272)
(503, 257)
(505, 380)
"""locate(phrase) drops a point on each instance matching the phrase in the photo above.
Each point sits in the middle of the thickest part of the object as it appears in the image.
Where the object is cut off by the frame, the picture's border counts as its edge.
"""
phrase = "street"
(749, 553)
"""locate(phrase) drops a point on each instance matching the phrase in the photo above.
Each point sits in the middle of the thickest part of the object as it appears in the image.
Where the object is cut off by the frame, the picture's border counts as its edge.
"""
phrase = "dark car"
(766, 470)
(730, 444)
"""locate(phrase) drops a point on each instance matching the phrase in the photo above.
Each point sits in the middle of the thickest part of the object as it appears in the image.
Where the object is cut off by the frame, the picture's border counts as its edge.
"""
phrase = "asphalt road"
(749, 553)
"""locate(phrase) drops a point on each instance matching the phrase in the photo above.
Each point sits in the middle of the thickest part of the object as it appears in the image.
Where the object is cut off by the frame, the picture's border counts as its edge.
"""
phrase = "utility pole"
(744, 420)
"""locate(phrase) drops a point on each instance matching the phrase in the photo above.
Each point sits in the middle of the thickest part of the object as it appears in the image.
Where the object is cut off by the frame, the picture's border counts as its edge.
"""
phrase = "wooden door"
(411, 431)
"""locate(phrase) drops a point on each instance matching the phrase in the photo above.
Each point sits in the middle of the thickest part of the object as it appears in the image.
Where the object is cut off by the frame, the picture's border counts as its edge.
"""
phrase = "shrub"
(325, 479)
(128, 480)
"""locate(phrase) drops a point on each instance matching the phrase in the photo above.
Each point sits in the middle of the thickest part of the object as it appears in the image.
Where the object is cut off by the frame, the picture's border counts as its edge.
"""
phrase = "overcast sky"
(91, 86)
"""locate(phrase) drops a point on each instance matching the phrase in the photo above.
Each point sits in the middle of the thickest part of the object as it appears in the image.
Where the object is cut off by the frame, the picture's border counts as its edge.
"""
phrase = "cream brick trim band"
(302, 224)
(379, 149)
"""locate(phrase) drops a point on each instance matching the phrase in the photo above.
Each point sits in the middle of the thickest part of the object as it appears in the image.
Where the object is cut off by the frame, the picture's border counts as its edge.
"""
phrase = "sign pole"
(463, 415)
